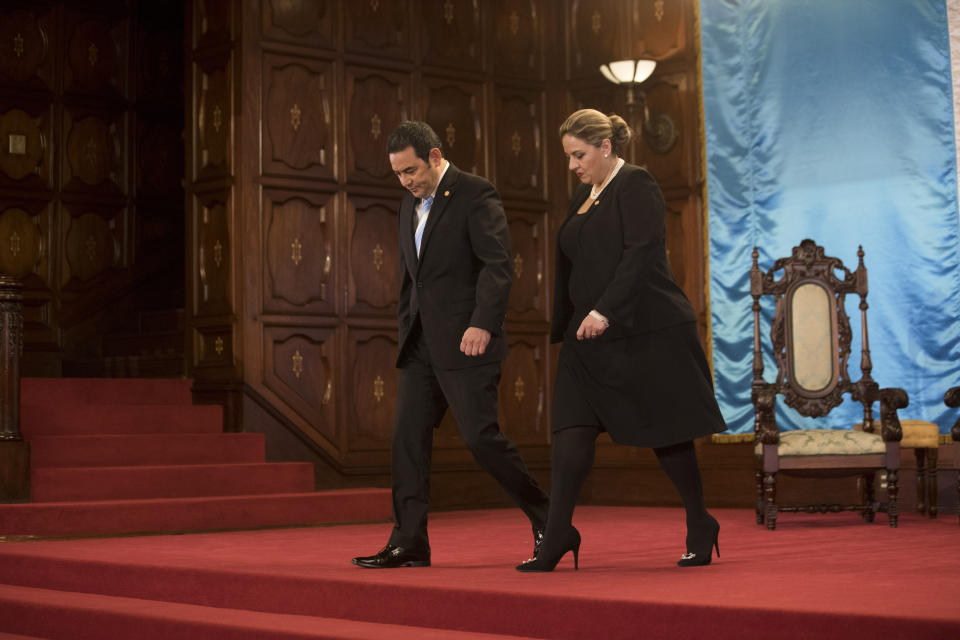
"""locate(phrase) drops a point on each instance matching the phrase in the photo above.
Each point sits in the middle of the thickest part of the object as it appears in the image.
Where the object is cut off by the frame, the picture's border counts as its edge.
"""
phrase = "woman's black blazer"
(621, 268)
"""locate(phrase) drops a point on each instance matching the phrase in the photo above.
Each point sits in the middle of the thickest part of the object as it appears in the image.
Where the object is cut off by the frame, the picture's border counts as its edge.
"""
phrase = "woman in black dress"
(631, 363)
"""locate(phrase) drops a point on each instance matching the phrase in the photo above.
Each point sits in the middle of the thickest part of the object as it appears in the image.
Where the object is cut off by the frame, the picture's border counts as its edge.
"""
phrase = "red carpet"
(114, 456)
(805, 580)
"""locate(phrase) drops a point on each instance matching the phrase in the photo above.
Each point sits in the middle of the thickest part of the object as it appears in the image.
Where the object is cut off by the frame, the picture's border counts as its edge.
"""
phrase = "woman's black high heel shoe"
(700, 545)
(549, 556)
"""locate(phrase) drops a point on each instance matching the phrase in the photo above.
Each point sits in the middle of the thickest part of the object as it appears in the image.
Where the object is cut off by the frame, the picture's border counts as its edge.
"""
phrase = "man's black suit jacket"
(463, 275)
(622, 269)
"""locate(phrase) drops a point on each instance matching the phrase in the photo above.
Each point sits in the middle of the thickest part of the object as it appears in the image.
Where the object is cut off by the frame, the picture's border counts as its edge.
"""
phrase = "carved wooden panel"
(378, 28)
(372, 390)
(523, 390)
(93, 161)
(685, 248)
(605, 97)
(659, 29)
(213, 346)
(299, 269)
(213, 22)
(24, 147)
(25, 49)
(92, 244)
(299, 368)
(519, 143)
(451, 33)
(212, 250)
(454, 110)
(159, 160)
(517, 43)
(676, 251)
(596, 34)
(529, 245)
(377, 101)
(298, 112)
(305, 22)
(213, 123)
(94, 50)
(374, 257)
(667, 96)
(22, 243)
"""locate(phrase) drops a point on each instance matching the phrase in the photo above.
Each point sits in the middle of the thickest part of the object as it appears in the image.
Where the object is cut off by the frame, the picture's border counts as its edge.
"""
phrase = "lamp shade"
(628, 71)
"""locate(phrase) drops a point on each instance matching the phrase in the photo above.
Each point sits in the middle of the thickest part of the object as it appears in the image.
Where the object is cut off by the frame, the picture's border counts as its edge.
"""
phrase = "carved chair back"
(811, 335)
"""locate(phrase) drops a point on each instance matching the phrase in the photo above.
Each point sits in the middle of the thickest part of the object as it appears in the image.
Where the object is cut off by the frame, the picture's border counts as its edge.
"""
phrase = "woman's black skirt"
(648, 390)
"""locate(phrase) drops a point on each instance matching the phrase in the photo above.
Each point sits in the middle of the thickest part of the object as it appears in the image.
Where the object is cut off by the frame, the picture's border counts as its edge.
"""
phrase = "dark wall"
(91, 203)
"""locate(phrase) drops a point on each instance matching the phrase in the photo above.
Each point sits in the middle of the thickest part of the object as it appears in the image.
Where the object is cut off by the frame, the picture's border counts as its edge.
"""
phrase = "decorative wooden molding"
(451, 135)
(296, 251)
(297, 363)
(518, 386)
(295, 116)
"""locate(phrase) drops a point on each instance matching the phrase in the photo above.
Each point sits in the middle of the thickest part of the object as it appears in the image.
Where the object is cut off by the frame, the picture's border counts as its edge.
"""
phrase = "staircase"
(119, 456)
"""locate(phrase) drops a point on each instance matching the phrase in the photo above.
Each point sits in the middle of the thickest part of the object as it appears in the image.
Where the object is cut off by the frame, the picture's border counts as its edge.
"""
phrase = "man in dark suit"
(455, 280)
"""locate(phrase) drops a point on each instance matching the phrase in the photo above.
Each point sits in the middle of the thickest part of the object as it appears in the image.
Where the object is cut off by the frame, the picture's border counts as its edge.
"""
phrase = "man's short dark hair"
(416, 134)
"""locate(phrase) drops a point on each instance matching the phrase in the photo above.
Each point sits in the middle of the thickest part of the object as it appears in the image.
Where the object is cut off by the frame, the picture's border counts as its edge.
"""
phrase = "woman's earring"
(605, 155)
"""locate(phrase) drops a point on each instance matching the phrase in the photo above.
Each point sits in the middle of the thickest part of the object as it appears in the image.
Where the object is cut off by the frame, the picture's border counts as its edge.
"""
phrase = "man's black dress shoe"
(392, 556)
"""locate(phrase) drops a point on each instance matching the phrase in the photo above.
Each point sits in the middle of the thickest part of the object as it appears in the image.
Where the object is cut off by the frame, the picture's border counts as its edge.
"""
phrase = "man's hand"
(474, 341)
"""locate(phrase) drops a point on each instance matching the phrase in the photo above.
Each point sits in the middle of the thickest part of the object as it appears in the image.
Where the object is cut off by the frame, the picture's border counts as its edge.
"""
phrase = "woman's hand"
(592, 326)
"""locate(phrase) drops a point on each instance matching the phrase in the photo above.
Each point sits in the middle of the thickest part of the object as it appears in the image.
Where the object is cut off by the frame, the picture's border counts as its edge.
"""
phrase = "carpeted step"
(73, 419)
(216, 513)
(54, 484)
(62, 615)
(73, 391)
(130, 450)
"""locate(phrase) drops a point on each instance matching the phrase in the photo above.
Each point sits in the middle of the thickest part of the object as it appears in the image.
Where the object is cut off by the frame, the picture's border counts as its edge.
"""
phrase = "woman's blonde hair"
(592, 127)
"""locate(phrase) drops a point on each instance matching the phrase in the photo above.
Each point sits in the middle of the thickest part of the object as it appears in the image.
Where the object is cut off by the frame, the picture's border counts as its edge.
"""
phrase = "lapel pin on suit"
(447, 192)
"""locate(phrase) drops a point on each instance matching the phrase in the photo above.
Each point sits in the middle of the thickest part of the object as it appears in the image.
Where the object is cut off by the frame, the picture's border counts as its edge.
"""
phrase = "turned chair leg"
(921, 455)
(758, 475)
(893, 489)
(770, 499)
(933, 497)
(869, 496)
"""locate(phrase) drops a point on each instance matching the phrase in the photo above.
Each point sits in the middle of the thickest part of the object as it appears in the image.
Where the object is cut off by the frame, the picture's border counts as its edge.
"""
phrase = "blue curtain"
(832, 120)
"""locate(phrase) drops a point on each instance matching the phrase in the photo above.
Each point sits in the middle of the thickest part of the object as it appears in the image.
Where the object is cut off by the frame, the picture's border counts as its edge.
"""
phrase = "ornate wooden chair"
(952, 399)
(811, 339)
